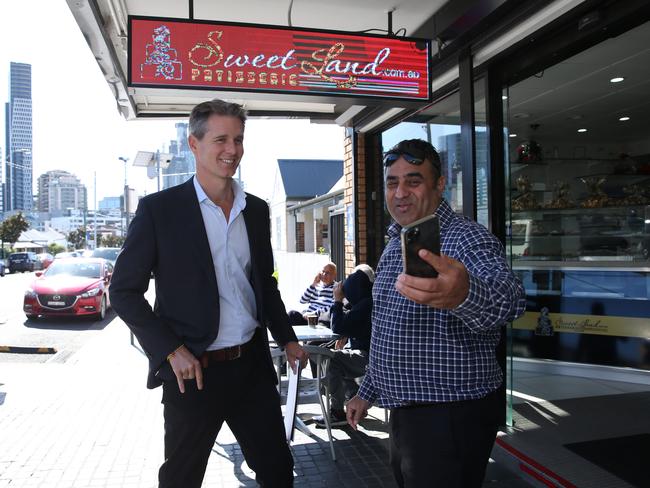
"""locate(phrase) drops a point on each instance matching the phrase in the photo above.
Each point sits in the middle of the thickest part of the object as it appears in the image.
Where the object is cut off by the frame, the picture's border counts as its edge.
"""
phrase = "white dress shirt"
(232, 266)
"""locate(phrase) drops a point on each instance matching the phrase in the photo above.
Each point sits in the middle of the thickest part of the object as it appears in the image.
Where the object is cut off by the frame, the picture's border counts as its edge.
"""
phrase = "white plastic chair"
(311, 389)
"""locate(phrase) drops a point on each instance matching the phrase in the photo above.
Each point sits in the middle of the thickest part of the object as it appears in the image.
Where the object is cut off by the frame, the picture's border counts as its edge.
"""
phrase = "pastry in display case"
(603, 217)
(635, 195)
(526, 199)
(560, 196)
(597, 197)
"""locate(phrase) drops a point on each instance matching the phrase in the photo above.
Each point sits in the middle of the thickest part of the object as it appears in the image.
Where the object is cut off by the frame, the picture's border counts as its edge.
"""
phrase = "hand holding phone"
(421, 234)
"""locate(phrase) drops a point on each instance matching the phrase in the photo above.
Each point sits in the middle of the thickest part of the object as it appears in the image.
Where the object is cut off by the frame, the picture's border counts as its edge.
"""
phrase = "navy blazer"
(167, 237)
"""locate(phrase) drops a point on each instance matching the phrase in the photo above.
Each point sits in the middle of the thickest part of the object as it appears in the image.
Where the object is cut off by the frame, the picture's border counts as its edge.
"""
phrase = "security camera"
(164, 159)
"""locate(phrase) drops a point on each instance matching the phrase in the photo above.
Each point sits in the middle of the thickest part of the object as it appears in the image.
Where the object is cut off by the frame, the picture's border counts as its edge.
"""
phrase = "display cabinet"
(581, 210)
(580, 243)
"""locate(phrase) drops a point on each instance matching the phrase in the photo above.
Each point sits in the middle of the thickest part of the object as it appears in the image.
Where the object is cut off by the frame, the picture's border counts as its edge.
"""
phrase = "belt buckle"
(235, 352)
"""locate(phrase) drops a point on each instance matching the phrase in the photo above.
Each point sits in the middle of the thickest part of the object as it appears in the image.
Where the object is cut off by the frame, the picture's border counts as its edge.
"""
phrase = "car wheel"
(101, 315)
(31, 316)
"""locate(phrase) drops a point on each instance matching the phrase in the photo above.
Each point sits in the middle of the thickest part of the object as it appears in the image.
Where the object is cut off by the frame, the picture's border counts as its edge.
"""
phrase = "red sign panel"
(236, 57)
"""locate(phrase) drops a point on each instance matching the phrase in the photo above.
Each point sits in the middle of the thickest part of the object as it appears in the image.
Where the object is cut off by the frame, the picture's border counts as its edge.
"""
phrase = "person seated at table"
(352, 322)
(319, 296)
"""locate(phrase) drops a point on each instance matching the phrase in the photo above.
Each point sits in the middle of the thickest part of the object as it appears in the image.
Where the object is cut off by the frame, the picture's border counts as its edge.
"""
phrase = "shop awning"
(28, 245)
(105, 25)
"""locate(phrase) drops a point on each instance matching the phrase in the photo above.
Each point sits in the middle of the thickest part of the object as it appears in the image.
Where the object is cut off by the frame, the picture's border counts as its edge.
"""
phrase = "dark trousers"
(345, 367)
(444, 445)
(241, 393)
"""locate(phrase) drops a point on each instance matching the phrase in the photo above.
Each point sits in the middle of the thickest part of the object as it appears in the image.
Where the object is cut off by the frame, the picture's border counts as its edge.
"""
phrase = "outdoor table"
(314, 333)
(310, 333)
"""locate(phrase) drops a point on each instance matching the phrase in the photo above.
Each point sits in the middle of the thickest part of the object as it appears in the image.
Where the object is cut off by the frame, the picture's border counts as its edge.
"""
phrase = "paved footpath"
(91, 422)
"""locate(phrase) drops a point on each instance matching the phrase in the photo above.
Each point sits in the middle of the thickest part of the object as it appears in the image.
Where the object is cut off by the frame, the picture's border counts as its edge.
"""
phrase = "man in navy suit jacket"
(208, 244)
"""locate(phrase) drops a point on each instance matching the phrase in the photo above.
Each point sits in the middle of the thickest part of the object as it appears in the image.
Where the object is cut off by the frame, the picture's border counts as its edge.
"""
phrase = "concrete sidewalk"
(91, 422)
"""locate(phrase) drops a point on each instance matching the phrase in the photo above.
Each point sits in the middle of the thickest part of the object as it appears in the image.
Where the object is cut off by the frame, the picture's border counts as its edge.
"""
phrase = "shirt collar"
(239, 201)
(444, 212)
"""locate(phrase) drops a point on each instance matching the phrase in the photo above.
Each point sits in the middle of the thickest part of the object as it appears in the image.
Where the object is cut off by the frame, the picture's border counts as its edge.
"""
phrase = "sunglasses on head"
(391, 157)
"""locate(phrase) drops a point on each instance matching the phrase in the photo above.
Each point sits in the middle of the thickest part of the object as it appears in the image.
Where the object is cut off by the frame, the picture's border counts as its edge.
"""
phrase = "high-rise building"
(182, 165)
(59, 191)
(18, 139)
(2, 186)
(110, 203)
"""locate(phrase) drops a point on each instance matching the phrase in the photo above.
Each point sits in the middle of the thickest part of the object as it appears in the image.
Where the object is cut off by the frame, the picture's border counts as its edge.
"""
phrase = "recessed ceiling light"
(618, 79)
(513, 135)
(504, 97)
(582, 130)
(623, 119)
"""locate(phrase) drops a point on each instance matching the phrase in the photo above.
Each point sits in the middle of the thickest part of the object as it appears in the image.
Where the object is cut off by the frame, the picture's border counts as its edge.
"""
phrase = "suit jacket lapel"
(251, 222)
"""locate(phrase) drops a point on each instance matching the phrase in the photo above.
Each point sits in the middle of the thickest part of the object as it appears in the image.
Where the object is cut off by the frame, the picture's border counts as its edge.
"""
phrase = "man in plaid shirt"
(432, 353)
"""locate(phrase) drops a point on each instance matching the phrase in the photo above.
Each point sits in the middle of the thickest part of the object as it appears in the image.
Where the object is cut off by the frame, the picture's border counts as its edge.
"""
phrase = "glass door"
(579, 205)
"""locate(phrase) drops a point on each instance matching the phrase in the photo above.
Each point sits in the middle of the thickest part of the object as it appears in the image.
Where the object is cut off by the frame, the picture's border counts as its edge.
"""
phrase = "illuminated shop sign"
(176, 53)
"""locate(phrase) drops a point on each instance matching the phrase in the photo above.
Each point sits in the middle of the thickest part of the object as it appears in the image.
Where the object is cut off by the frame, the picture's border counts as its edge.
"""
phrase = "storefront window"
(579, 203)
(440, 125)
(481, 153)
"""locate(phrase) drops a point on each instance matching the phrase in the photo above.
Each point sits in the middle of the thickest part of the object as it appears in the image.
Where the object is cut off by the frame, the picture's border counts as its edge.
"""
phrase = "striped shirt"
(320, 297)
(420, 354)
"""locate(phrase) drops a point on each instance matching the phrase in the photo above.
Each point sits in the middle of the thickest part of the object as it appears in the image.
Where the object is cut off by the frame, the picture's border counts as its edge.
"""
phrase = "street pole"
(125, 224)
(95, 214)
(158, 168)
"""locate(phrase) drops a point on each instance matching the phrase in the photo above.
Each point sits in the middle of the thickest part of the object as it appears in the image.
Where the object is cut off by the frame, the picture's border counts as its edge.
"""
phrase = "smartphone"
(421, 234)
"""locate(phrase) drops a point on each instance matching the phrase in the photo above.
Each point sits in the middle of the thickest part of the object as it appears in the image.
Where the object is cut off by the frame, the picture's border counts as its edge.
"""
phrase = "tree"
(55, 248)
(77, 238)
(112, 241)
(11, 228)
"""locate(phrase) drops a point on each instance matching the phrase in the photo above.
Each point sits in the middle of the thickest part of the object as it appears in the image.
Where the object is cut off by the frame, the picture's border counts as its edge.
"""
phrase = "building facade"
(18, 139)
(60, 190)
(544, 140)
(182, 165)
(110, 203)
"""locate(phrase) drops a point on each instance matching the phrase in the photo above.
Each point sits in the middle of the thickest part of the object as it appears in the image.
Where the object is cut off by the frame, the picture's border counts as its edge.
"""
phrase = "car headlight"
(29, 293)
(93, 292)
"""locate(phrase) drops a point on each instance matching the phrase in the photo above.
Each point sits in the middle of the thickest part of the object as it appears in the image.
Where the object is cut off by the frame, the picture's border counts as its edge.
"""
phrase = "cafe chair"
(316, 388)
(278, 358)
(310, 389)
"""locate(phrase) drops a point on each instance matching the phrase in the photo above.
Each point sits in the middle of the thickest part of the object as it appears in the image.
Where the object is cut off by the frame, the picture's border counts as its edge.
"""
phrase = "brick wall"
(355, 174)
(300, 237)
(321, 230)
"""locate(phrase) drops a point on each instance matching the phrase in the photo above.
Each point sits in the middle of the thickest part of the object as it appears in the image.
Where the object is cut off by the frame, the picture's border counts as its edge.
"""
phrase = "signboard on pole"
(176, 53)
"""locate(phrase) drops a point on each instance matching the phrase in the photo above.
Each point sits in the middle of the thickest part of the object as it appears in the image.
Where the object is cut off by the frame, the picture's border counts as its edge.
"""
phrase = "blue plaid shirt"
(420, 354)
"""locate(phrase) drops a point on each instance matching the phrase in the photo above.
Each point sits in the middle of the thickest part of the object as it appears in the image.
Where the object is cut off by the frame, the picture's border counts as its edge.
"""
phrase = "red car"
(46, 259)
(70, 286)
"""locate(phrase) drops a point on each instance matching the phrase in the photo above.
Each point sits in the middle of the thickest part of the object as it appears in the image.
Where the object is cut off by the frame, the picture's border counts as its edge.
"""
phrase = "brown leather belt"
(225, 354)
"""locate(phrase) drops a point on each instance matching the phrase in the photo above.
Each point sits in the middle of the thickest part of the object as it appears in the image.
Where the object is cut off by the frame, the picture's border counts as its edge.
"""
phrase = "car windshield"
(106, 253)
(71, 254)
(19, 255)
(87, 270)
